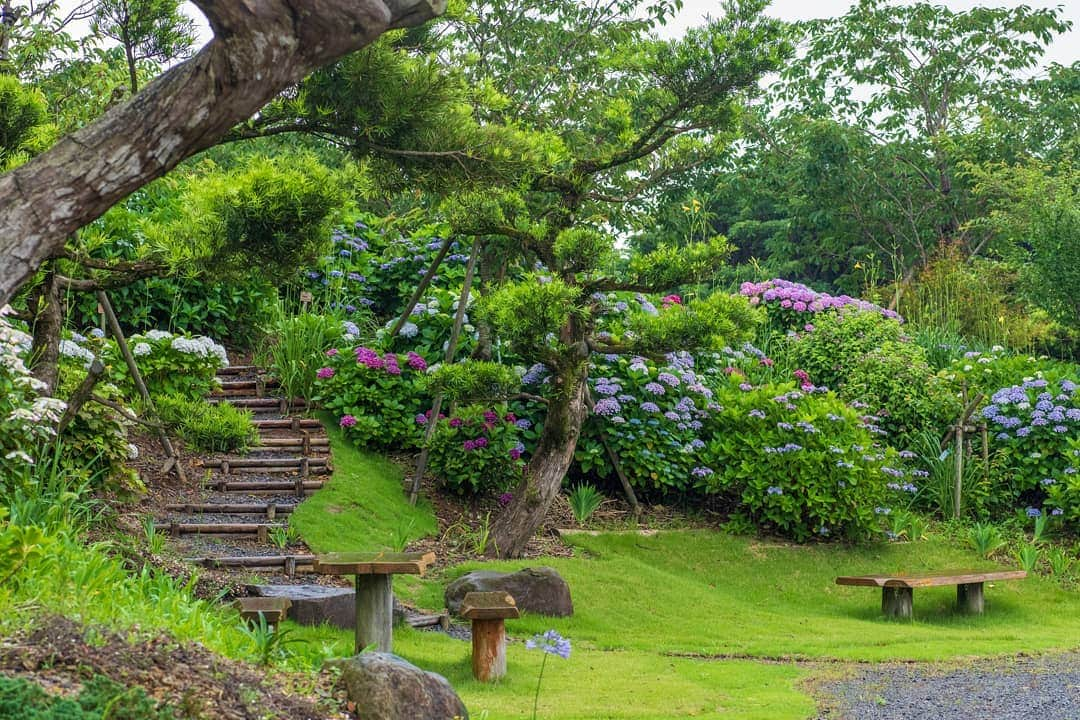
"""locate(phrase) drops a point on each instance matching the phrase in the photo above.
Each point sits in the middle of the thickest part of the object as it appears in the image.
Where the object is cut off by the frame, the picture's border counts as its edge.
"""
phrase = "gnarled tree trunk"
(260, 48)
(566, 414)
(47, 326)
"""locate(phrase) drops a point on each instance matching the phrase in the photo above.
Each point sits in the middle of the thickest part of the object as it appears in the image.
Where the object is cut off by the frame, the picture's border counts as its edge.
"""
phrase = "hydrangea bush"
(477, 450)
(26, 418)
(375, 397)
(1034, 427)
(428, 329)
(169, 364)
(794, 305)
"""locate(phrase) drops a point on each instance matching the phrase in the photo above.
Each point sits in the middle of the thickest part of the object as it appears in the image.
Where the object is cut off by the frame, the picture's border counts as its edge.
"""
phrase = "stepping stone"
(314, 604)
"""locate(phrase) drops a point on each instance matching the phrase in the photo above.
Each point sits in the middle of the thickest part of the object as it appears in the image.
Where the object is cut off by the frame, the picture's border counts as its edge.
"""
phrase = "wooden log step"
(288, 423)
(255, 403)
(264, 486)
(285, 442)
(248, 384)
(242, 370)
(260, 529)
(306, 562)
(236, 463)
(420, 621)
(268, 509)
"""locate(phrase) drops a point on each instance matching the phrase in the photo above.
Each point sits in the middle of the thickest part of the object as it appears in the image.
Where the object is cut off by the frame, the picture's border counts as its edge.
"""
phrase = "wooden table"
(897, 591)
(374, 573)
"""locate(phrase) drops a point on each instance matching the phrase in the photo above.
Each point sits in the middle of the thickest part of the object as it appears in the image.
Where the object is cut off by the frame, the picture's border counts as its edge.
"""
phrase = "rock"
(538, 590)
(318, 604)
(386, 687)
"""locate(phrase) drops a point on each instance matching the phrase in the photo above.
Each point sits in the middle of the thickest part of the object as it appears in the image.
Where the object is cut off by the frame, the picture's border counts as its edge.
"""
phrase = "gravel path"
(1043, 688)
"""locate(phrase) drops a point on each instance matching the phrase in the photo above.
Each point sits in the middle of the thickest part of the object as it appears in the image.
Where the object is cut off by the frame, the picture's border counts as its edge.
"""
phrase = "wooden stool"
(488, 612)
(274, 609)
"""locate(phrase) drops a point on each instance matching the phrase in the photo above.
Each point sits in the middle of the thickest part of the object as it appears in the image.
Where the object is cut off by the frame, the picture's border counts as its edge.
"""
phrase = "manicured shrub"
(476, 451)
(376, 398)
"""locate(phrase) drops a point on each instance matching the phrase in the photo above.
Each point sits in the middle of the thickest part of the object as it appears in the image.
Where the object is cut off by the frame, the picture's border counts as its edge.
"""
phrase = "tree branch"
(260, 48)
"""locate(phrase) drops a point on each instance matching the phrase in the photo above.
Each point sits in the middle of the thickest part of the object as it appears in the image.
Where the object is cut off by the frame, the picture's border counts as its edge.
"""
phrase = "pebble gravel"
(1031, 688)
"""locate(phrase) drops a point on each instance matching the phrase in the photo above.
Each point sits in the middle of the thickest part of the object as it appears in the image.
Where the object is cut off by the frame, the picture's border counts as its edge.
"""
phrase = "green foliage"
(669, 266)
(471, 381)
(529, 312)
(986, 539)
(477, 451)
(1028, 558)
(169, 364)
(24, 128)
(1061, 562)
(99, 699)
(296, 346)
(584, 500)
(582, 249)
(207, 427)
(376, 398)
(709, 324)
(829, 481)
(837, 343)
(148, 30)
(976, 299)
(269, 643)
(271, 216)
(96, 442)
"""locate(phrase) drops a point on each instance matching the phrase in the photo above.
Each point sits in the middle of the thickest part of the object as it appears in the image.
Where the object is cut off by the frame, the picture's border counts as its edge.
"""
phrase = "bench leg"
(969, 598)
(896, 602)
(374, 612)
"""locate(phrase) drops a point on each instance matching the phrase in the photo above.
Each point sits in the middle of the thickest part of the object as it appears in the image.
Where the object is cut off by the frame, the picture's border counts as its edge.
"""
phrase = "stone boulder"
(538, 590)
(386, 687)
(318, 604)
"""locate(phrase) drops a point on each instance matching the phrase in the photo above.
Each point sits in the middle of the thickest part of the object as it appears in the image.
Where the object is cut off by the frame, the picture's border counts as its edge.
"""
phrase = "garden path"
(238, 517)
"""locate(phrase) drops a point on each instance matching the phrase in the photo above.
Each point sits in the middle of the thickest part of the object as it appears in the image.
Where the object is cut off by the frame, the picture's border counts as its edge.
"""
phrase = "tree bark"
(566, 414)
(260, 48)
(48, 325)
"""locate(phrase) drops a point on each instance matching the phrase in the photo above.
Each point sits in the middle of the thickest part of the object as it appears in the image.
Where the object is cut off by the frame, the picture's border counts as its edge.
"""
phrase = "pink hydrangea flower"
(324, 373)
(347, 421)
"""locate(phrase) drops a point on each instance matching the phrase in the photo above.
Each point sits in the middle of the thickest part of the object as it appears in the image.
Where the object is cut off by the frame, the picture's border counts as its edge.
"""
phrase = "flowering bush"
(427, 331)
(793, 305)
(376, 397)
(477, 450)
(25, 418)
(169, 364)
(1034, 427)
(801, 462)
(374, 265)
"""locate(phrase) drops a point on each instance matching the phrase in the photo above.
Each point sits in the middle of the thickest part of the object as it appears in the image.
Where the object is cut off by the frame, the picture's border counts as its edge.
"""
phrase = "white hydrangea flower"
(142, 349)
(158, 335)
(74, 350)
(133, 451)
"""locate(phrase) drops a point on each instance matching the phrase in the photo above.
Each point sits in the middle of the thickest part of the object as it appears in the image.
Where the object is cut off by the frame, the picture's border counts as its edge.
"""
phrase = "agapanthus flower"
(551, 643)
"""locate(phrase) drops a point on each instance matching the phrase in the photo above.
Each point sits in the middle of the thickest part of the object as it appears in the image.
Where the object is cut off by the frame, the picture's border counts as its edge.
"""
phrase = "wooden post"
(374, 612)
(451, 349)
(421, 288)
(488, 612)
(959, 482)
(985, 452)
(969, 598)
(896, 602)
(136, 376)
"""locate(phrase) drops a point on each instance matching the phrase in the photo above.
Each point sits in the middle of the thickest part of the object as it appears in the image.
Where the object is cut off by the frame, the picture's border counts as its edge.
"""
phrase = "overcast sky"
(1066, 50)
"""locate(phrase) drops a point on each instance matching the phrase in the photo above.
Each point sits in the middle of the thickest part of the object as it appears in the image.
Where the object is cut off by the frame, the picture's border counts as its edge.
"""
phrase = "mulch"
(59, 655)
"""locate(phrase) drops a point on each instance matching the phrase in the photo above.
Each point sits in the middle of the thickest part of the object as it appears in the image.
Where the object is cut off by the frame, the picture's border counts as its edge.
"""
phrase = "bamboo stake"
(118, 334)
(631, 497)
(958, 484)
(420, 289)
(451, 349)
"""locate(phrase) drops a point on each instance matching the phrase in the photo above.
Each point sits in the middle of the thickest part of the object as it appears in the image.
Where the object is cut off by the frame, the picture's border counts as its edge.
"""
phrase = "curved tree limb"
(260, 47)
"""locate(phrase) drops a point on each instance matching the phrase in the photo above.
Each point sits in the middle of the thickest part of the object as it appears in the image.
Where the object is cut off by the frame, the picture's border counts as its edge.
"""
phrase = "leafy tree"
(154, 30)
(24, 126)
(629, 116)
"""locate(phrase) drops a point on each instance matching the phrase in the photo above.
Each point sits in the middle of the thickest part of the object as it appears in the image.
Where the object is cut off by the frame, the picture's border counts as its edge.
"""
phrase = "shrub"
(376, 398)
(169, 364)
(206, 427)
(801, 462)
(830, 347)
(428, 329)
(99, 699)
(1035, 426)
(793, 305)
(26, 419)
(96, 440)
(584, 501)
(476, 451)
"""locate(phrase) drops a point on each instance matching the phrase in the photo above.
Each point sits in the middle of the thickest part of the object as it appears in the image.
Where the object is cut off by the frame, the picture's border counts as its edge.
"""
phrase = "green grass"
(362, 507)
(594, 684)
(707, 593)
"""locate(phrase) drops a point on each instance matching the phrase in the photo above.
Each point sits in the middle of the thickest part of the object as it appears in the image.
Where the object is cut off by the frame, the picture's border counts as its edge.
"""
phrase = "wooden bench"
(897, 590)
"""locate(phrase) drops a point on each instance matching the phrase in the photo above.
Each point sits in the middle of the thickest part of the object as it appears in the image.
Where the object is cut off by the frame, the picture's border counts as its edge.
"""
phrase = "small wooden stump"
(274, 609)
(488, 612)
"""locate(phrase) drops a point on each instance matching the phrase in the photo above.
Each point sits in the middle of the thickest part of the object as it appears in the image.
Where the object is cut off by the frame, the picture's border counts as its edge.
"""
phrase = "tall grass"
(295, 347)
(211, 428)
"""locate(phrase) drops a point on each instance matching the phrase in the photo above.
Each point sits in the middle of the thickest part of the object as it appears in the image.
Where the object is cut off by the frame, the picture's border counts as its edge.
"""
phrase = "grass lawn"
(680, 623)
(362, 507)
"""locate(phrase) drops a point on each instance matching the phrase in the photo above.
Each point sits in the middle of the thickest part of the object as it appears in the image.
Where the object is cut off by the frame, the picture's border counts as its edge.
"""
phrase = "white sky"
(1065, 50)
